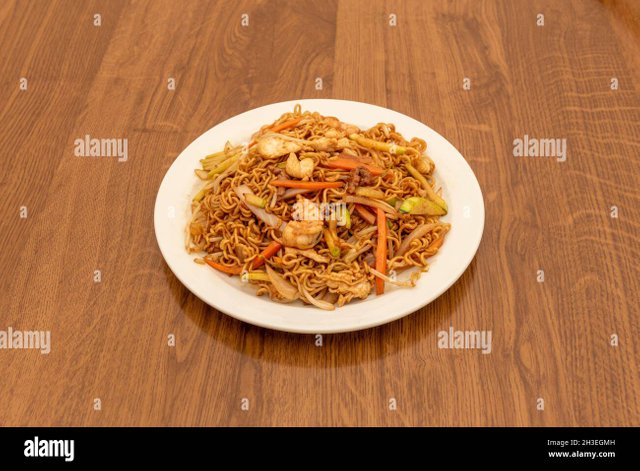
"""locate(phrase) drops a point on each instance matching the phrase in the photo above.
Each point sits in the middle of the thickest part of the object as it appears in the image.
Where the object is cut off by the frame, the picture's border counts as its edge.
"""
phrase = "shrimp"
(302, 234)
(302, 169)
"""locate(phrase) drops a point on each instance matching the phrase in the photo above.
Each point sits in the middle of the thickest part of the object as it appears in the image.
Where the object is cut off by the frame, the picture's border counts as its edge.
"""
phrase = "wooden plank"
(550, 340)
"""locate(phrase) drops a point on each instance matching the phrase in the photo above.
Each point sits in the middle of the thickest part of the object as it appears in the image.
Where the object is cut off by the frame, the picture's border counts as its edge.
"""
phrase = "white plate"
(229, 295)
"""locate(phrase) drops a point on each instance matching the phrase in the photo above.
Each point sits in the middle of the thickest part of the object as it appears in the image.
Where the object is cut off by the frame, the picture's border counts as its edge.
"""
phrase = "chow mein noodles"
(318, 210)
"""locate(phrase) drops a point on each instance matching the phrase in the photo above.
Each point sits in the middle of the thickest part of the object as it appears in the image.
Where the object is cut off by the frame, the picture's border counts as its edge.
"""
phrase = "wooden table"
(551, 340)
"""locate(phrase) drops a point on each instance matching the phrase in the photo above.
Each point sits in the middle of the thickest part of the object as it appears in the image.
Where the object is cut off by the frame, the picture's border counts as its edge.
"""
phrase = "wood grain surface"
(551, 340)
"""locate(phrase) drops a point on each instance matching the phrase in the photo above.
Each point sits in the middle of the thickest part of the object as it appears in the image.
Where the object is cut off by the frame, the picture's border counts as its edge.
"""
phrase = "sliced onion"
(269, 219)
(202, 174)
(318, 302)
(415, 234)
(403, 284)
(367, 231)
(359, 235)
(282, 286)
(369, 192)
(330, 297)
(353, 254)
(291, 192)
(386, 207)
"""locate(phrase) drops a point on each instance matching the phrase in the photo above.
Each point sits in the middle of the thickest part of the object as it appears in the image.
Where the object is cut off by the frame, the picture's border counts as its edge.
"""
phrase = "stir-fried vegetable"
(223, 175)
(286, 125)
(215, 156)
(382, 277)
(436, 244)
(201, 174)
(418, 205)
(269, 219)
(366, 232)
(333, 229)
(369, 192)
(345, 218)
(200, 195)
(254, 200)
(376, 145)
(390, 210)
(417, 175)
(425, 184)
(344, 163)
(333, 226)
(381, 249)
(270, 251)
(306, 185)
(258, 276)
(203, 191)
(334, 250)
(423, 164)
(279, 127)
(213, 160)
(223, 268)
(327, 306)
(282, 286)
(291, 192)
(365, 214)
(221, 167)
(353, 253)
(393, 201)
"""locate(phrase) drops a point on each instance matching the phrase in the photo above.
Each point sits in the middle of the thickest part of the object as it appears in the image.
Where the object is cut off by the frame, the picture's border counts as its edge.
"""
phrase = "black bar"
(469, 446)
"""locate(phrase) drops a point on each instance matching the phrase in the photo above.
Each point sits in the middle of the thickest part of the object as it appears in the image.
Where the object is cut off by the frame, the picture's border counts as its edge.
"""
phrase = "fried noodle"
(324, 263)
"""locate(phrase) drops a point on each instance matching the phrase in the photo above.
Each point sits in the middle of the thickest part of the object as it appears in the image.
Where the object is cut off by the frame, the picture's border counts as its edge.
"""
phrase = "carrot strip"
(280, 127)
(436, 244)
(306, 185)
(286, 125)
(365, 214)
(349, 164)
(270, 251)
(223, 268)
(381, 249)
(363, 159)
